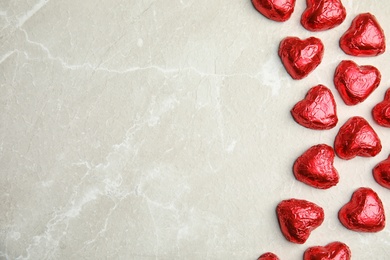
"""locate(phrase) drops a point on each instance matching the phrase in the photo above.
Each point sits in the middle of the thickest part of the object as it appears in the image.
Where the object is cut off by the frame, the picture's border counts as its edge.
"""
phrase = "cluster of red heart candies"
(365, 37)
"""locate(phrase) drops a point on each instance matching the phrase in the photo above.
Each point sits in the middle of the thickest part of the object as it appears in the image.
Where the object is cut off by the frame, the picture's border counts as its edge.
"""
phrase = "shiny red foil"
(364, 212)
(381, 112)
(315, 167)
(357, 138)
(355, 83)
(276, 10)
(323, 15)
(297, 218)
(332, 251)
(318, 109)
(365, 37)
(381, 173)
(268, 256)
(300, 57)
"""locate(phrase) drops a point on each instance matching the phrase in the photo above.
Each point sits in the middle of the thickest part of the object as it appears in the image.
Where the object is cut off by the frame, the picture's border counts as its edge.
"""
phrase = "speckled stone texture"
(161, 130)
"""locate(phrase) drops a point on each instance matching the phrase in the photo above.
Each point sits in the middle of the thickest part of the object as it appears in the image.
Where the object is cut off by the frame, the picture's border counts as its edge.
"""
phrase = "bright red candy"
(268, 256)
(277, 10)
(332, 251)
(365, 37)
(357, 138)
(300, 57)
(364, 212)
(381, 112)
(315, 167)
(318, 109)
(381, 173)
(297, 218)
(355, 83)
(322, 15)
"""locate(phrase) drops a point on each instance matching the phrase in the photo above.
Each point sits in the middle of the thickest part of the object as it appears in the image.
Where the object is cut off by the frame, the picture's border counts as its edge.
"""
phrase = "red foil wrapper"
(300, 57)
(332, 251)
(364, 212)
(315, 167)
(381, 112)
(268, 256)
(355, 83)
(323, 15)
(365, 37)
(297, 218)
(318, 109)
(381, 173)
(357, 138)
(276, 10)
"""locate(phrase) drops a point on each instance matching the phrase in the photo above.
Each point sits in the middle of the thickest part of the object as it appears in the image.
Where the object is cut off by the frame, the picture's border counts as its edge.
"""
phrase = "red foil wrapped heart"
(357, 138)
(365, 37)
(323, 15)
(364, 212)
(381, 173)
(268, 256)
(381, 112)
(276, 10)
(318, 109)
(355, 83)
(332, 251)
(297, 218)
(315, 167)
(300, 57)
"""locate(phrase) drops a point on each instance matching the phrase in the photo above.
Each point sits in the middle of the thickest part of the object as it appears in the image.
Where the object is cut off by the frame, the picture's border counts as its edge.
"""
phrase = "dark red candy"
(364, 212)
(355, 83)
(332, 251)
(318, 109)
(297, 218)
(268, 256)
(277, 10)
(365, 37)
(300, 57)
(381, 112)
(322, 15)
(357, 138)
(315, 167)
(381, 173)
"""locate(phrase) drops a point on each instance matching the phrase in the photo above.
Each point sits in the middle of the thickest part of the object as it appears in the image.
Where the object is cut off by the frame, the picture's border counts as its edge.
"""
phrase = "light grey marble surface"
(161, 130)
